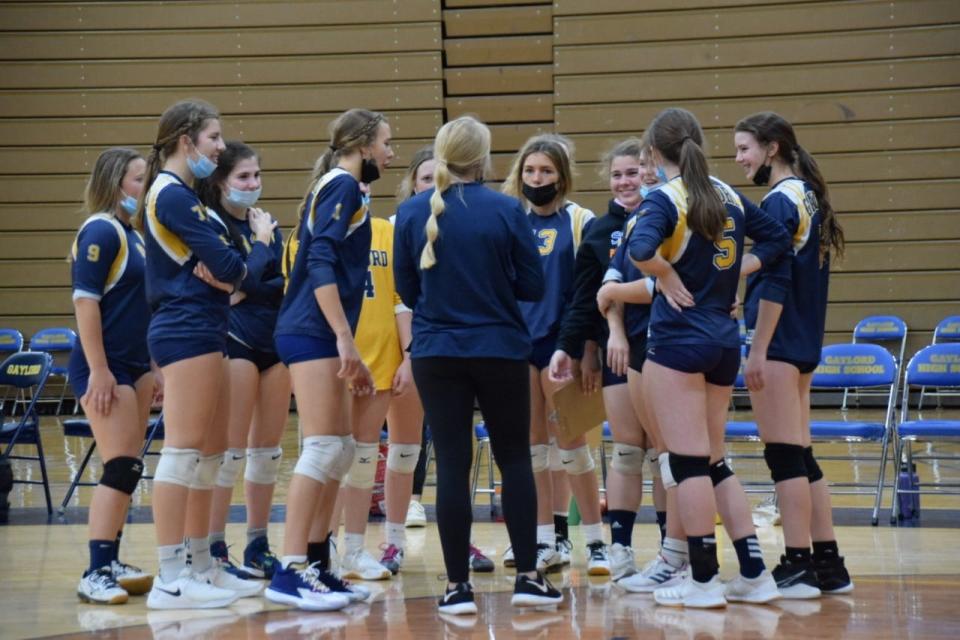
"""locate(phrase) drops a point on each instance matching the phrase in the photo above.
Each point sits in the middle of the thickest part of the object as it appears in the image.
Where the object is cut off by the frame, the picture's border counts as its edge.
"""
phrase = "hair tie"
(157, 146)
(333, 148)
(685, 138)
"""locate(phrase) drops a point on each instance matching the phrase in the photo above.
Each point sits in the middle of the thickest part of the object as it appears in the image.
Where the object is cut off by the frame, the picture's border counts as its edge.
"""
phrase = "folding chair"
(26, 372)
(884, 330)
(947, 330)
(483, 444)
(866, 366)
(937, 365)
(11, 341)
(58, 342)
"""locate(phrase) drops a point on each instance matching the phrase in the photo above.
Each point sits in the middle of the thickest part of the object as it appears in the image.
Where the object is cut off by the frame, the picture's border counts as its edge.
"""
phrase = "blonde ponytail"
(441, 182)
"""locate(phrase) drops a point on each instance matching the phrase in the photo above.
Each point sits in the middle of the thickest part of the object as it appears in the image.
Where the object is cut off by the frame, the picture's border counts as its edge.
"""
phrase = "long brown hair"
(103, 187)
(187, 117)
(406, 188)
(677, 136)
(768, 127)
(210, 189)
(556, 147)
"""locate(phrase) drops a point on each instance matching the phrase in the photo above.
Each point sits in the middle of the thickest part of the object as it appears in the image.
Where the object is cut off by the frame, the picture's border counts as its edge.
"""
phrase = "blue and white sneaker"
(258, 560)
(301, 587)
(220, 553)
(336, 584)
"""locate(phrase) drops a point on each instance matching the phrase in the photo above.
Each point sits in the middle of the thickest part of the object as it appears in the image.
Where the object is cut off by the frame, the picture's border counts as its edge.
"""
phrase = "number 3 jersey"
(709, 269)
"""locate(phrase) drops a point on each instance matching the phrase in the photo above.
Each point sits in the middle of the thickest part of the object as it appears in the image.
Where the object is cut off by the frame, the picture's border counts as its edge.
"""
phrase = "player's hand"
(618, 354)
(674, 290)
(590, 375)
(605, 297)
(362, 383)
(561, 367)
(101, 392)
(262, 224)
(201, 271)
(157, 400)
(735, 309)
(753, 369)
(403, 378)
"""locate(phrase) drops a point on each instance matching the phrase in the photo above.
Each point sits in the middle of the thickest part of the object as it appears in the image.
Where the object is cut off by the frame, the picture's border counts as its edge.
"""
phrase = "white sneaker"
(564, 548)
(100, 587)
(216, 576)
(622, 562)
(187, 591)
(598, 561)
(508, 559)
(656, 574)
(767, 512)
(360, 565)
(693, 594)
(757, 590)
(134, 580)
(548, 559)
(416, 515)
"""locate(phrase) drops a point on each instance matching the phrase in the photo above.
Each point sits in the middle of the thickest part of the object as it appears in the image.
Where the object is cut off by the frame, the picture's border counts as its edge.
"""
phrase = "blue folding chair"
(935, 366)
(11, 341)
(867, 366)
(888, 331)
(58, 342)
(27, 373)
(947, 330)
(483, 444)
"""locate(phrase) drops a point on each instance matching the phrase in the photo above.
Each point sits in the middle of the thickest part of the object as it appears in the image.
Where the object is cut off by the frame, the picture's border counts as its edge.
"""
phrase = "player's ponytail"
(678, 138)
(187, 117)
(461, 150)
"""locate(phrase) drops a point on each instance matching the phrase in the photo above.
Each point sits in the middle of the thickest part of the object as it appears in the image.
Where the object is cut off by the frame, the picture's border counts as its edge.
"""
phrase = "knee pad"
(814, 473)
(540, 457)
(177, 466)
(263, 465)
(205, 475)
(363, 467)
(230, 467)
(785, 461)
(577, 461)
(346, 458)
(122, 473)
(402, 458)
(663, 462)
(320, 458)
(683, 467)
(653, 461)
(628, 459)
(719, 471)
(554, 456)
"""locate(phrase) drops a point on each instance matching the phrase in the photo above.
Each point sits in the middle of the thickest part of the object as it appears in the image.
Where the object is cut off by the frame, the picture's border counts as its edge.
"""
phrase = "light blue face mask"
(239, 198)
(201, 168)
(661, 174)
(129, 204)
(366, 200)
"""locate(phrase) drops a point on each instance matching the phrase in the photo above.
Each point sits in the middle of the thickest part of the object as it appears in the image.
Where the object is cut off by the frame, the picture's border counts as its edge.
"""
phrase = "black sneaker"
(796, 581)
(458, 601)
(832, 576)
(534, 592)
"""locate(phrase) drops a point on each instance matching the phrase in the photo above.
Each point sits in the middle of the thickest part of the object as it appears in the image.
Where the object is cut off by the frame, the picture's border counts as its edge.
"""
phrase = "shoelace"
(596, 551)
(311, 575)
(123, 567)
(390, 553)
(564, 544)
(103, 579)
(332, 581)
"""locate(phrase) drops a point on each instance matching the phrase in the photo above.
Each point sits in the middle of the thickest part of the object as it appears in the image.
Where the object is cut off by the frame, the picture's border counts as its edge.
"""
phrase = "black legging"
(420, 473)
(447, 387)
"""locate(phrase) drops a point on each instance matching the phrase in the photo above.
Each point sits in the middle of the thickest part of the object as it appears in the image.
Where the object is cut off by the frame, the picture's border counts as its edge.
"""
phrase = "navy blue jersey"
(466, 305)
(330, 245)
(557, 236)
(108, 266)
(179, 233)
(636, 317)
(710, 270)
(799, 333)
(254, 318)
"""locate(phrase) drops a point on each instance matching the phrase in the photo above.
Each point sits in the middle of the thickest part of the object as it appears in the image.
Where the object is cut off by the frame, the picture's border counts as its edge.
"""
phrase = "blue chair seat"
(839, 429)
(481, 431)
(29, 429)
(77, 427)
(607, 434)
(742, 430)
(929, 429)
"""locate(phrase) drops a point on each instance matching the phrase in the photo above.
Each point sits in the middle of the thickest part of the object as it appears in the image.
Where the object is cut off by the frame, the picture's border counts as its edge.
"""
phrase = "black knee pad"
(719, 471)
(814, 472)
(785, 461)
(122, 473)
(683, 467)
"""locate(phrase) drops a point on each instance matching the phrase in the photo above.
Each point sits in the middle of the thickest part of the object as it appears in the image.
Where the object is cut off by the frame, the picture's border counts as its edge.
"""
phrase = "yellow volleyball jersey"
(377, 339)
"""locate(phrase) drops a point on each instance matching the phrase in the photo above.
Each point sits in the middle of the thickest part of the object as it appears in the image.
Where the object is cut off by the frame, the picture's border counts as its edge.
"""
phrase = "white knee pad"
(205, 475)
(665, 473)
(540, 457)
(263, 465)
(346, 458)
(577, 461)
(653, 462)
(402, 458)
(230, 467)
(177, 466)
(363, 467)
(320, 458)
(628, 459)
(555, 463)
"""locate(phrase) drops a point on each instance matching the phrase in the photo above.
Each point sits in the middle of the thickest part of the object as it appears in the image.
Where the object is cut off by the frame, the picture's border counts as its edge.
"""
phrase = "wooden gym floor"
(907, 578)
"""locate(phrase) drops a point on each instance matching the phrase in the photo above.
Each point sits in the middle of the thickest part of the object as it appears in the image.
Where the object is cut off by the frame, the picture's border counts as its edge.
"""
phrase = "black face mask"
(542, 195)
(762, 177)
(369, 171)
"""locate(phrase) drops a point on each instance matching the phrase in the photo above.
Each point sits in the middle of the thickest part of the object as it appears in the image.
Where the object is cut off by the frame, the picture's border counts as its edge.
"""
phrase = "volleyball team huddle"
(186, 293)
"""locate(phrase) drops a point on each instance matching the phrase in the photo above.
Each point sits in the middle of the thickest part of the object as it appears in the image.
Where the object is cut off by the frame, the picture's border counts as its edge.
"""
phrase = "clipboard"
(577, 414)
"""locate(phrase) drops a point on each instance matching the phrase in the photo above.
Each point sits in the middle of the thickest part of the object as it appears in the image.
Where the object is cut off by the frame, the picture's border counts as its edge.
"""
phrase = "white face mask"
(239, 198)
